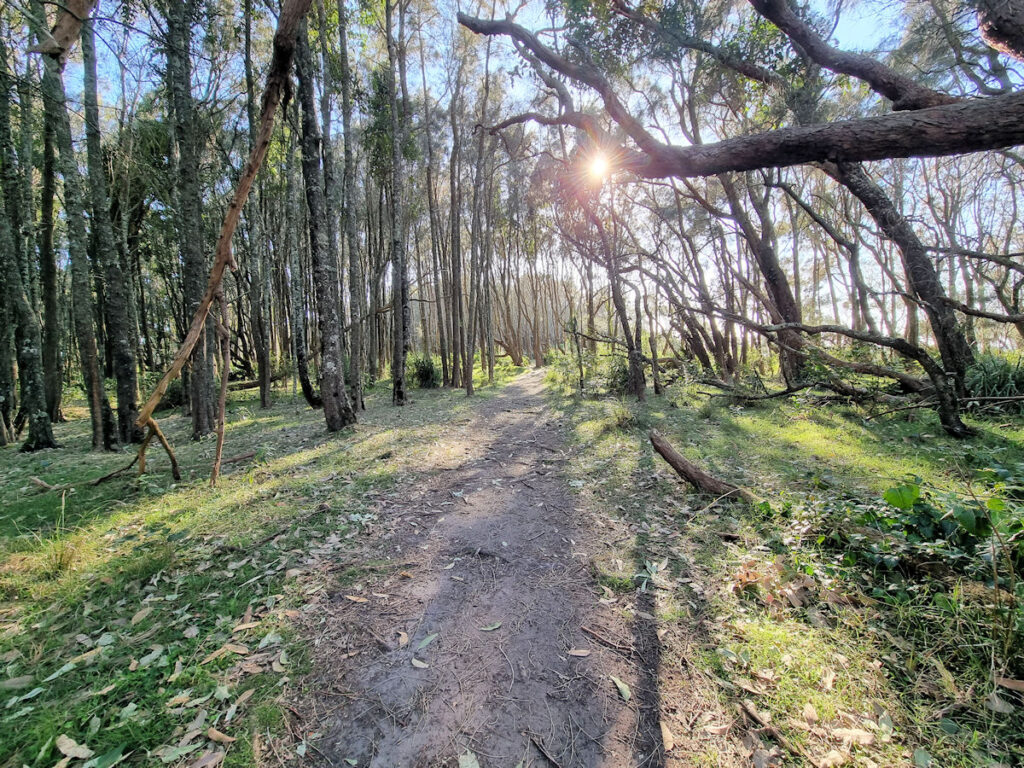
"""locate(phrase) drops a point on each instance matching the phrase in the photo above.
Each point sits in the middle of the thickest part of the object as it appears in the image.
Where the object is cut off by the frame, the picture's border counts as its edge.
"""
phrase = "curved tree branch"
(948, 129)
(904, 92)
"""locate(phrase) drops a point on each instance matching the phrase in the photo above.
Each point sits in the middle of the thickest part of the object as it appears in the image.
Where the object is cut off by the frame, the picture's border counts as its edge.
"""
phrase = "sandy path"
(496, 538)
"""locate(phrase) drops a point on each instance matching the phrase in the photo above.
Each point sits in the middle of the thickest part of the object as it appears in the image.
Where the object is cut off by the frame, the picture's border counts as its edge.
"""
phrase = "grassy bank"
(862, 633)
(153, 619)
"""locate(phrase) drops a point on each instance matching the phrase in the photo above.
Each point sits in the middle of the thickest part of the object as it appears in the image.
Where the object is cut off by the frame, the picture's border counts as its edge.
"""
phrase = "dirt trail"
(496, 538)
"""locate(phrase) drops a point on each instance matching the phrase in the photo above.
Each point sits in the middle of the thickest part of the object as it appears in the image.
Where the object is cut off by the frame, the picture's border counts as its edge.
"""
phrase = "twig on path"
(239, 457)
(626, 649)
(540, 748)
(748, 709)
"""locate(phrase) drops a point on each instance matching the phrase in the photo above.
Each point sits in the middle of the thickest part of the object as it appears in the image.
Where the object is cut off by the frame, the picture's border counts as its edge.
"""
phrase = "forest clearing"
(561, 385)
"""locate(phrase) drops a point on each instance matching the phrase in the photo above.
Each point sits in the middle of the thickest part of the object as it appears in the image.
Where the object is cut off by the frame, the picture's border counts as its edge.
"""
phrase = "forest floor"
(509, 580)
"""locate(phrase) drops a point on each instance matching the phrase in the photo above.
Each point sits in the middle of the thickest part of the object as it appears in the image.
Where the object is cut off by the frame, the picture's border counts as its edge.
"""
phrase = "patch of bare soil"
(489, 635)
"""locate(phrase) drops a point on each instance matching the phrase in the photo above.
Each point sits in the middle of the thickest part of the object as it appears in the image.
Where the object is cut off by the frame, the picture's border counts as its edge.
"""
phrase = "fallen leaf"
(581, 652)
(17, 682)
(208, 760)
(403, 639)
(247, 625)
(668, 741)
(426, 641)
(404, 575)
(419, 664)
(624, 691)
(140, 615)
(88, 657)
(828, 678)
(1013, 685)
(221, 738)
(356, 598)
(178, 668)
(468, 760)
(810, 713)
(997, 704)
(491, 628)
(241, 650)
(181, 698)
(854, 736)
(717, 730)
(834, 759)
(69, 748)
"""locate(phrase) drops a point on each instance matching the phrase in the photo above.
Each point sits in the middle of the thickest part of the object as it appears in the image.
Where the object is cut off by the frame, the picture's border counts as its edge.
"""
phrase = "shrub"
(174, 397)
(996, 376)
(425, 373)
(617, 376)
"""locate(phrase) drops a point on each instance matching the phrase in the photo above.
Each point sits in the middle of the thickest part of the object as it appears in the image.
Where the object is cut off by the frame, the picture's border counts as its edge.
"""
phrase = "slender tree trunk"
(180, 14)
(338, 411)
(54, 103)
(458, 337)
(295, 278)
(117, 316)
(399, 246)
(257, 299)
(53, 360)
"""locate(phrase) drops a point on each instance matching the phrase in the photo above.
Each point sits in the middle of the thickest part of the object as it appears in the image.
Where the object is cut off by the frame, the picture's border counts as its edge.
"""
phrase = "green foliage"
(377, 134)
(174, 397)
(996, 376)
(425, 373)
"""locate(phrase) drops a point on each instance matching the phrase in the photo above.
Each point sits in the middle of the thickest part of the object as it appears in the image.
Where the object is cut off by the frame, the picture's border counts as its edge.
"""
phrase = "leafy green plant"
(425, 373)
(996, 376)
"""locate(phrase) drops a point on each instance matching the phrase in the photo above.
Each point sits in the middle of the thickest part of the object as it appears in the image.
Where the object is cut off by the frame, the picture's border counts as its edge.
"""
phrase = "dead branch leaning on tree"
(277, 90)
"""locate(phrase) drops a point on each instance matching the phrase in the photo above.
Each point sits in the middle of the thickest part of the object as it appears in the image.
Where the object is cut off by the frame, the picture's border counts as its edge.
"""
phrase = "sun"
(599, 166)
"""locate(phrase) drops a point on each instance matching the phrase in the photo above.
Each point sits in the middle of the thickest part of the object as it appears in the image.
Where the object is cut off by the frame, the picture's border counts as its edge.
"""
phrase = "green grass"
(110, 610)
(864, 649)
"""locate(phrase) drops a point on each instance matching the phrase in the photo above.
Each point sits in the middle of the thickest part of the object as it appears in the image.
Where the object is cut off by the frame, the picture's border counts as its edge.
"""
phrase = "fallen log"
(693, 474)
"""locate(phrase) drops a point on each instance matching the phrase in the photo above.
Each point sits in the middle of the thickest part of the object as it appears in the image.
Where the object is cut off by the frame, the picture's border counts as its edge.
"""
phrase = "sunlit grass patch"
(875, 661)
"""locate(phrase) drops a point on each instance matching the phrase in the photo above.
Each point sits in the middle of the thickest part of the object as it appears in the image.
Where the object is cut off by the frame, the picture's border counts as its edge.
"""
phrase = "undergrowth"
(871, 604)
(151, 620)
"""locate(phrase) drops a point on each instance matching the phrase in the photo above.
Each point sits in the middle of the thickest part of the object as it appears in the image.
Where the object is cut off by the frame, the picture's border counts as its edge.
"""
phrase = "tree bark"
(399, 246)
(117, 315)
(179, 16)
(54, 102)
(356, 283)
(338, 411)
(693, 474)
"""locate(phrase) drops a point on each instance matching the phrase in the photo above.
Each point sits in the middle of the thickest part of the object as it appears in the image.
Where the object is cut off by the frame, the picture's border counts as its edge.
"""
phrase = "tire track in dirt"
(496, 539)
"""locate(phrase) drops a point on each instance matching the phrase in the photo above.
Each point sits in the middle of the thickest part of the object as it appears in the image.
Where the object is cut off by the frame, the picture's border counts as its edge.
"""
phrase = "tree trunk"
(54, 102)
(295, 278)
(356, 285)
(924, 281)
(257, 297)
(180, 15)
(117, 315)
(53, 360)
(399, 244)
(338, 411)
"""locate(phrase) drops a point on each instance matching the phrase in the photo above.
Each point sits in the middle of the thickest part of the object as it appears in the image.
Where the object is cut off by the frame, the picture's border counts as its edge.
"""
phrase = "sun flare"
(599, 167)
